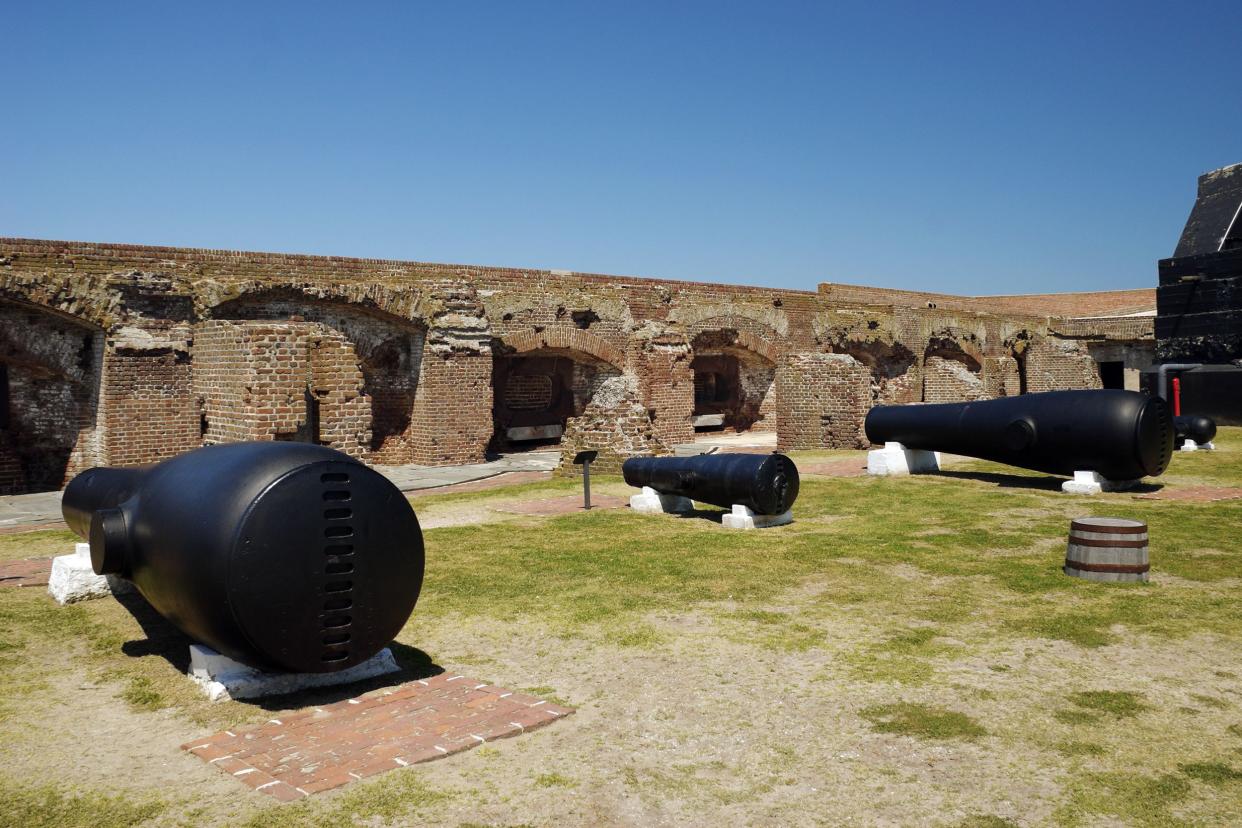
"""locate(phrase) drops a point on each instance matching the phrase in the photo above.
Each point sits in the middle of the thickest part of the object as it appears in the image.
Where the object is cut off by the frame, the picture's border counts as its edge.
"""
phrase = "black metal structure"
(1199, 429)
(283, 556)
(1123, 435)
(767, 484)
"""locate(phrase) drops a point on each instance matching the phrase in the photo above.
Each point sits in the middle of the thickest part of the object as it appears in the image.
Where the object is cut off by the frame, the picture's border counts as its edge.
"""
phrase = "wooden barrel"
(1107, 549)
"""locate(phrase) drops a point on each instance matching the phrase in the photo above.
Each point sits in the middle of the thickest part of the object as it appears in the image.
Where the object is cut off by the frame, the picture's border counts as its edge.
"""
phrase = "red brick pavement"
(325, 747)
(25, 572)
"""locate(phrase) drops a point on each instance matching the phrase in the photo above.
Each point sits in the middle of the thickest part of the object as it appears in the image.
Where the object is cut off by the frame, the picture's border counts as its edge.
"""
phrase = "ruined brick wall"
(151, 410)
(948, 380)
(400, 355)
(1059, 364)
(822, 400)
(616, 424)
(51, 366)
(666, 383)
(260, 381)
(1001, 377)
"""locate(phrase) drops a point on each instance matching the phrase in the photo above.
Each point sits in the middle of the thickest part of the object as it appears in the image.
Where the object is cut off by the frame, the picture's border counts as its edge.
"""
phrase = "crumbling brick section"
(616, 424)
(1060, 364)
(947, 380)
(262, 380)
(151, 411)
(1001, 377)
(320, 748)
(822, 400)
(451, 421)
(666, 382)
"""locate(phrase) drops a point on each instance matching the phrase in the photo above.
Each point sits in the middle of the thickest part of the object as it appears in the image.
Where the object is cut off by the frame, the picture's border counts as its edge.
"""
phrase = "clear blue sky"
(972, 148)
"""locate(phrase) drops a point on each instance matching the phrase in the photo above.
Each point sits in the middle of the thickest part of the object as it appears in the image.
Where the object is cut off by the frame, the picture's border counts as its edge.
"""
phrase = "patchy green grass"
(1135, 798)
(397, 796)
(1119, 703)
(923, 721)
(48, 806)
(553, 780)
(43, 543)
(1213, 773)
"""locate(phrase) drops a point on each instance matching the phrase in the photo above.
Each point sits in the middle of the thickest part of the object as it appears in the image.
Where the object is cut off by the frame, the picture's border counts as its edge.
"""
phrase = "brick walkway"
(326, 747)
(26, 572)
(1194, 494)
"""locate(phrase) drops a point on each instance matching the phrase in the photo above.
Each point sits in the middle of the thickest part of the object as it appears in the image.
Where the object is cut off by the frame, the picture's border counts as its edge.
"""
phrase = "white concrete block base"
(223, 678)
(1191, 445)
(651, 502)
(72, 578)
(1091, 483)
(895, 459)
(743, 518)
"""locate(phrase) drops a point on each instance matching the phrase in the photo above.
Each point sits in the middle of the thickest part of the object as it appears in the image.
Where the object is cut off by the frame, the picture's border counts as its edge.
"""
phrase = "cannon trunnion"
(766, 484)
(283, 556)
(1122, 435)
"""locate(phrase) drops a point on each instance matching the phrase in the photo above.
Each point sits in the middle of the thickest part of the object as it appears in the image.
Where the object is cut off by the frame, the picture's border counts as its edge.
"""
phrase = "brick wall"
(1059, 364)
(616, 424)
(949, 380)
(666, 385)
(399, 355)
(822, 400)
(261, 381)
(151, 411)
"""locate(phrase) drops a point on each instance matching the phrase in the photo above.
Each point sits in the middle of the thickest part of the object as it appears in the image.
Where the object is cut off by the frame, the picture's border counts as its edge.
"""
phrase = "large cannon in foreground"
(767, 484)
(283, 556)
(1122, 435)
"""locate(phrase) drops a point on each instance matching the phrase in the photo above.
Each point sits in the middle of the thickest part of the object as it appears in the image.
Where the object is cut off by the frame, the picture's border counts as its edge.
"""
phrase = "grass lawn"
(906, 652)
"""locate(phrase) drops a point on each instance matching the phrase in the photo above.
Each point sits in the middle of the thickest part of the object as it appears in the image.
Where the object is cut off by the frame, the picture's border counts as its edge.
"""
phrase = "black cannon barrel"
(1194, 427)
(1122, 435)
(283, 556)
(765, 483)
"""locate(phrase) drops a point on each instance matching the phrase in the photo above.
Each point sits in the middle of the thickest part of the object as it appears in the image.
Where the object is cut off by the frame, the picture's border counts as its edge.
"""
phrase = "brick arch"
(401, 304)
(87, 301)
(700, 317)
(575, 340)
(743, 339)
(943, 341)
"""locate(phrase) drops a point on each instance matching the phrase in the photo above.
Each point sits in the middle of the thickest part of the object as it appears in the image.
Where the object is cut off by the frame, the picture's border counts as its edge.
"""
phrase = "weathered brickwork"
(824, 400)
(123, 354)
(1059, 364)
(950, 380)
(616, 424)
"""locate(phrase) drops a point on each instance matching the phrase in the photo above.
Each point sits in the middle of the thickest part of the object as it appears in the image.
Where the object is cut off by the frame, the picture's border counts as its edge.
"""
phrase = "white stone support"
(1091, 483)
(651, 502)
(895, 459)
(72, 578)
(743, 518)
(223, 678)
(1191, 445)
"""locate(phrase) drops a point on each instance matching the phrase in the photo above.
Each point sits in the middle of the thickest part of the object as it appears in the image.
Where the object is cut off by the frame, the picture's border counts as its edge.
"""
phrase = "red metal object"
(1177, 397)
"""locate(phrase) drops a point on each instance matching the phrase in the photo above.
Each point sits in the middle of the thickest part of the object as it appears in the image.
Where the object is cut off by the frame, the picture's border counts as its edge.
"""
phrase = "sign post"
(584, 458)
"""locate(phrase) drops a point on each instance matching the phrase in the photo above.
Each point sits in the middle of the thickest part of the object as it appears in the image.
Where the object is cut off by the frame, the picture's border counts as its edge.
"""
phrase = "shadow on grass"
(1021, 481)
(166, 641)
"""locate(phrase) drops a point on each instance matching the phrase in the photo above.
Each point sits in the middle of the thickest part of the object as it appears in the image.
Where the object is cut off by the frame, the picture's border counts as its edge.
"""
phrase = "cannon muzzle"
(766, 484)
(1122, 435)
(283, 556)
(1199, 429)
